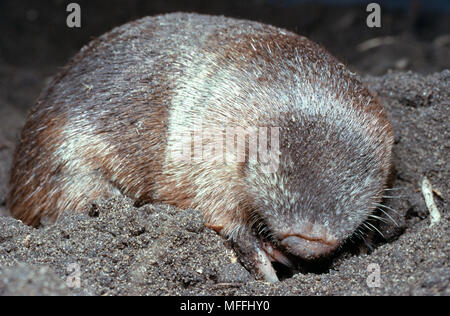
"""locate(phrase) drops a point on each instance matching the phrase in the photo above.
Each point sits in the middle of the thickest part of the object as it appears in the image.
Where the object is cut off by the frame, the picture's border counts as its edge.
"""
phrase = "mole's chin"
(309, 248)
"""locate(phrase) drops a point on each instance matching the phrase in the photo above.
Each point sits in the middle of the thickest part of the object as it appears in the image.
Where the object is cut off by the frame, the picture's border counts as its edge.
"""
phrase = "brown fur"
(108, 122)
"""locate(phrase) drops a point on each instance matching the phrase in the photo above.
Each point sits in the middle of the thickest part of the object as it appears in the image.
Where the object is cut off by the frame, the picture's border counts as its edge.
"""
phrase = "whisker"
(359, 234)
(351, 239)
(394, 189)
(375, 229)
(365, 226)
(389, 216)
(393, 196)
(379, 218)
(387, 207)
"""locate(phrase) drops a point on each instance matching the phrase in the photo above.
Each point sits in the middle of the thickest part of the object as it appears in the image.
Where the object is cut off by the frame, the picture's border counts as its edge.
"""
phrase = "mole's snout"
(310, 245)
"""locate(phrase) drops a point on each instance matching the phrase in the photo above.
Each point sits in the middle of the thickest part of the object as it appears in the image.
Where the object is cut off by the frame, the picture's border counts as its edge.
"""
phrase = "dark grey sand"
(160, 250)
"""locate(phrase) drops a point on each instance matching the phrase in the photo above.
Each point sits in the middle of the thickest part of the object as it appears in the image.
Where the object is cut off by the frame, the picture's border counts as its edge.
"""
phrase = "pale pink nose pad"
(308, 247)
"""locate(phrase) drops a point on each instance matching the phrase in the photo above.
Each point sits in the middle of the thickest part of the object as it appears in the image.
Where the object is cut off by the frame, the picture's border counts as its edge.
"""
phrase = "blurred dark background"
(415, 34)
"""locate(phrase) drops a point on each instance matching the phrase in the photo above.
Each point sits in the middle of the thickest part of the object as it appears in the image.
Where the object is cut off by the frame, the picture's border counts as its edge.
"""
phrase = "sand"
(160, 250)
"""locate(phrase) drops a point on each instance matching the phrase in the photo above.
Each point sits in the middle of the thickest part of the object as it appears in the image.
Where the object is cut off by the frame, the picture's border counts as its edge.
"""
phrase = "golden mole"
(116, 118)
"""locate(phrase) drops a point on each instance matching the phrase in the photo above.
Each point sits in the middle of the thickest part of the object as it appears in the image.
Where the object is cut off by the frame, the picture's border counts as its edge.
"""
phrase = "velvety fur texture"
(111, 119)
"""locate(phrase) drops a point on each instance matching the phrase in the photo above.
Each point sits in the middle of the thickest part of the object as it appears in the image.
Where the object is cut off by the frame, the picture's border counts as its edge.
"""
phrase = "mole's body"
(110, 122)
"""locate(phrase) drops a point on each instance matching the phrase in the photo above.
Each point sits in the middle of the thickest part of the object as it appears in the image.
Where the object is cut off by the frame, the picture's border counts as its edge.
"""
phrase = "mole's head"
(330, 174)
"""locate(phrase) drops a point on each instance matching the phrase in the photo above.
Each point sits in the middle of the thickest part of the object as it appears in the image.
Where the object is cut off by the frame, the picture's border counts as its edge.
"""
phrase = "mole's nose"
(310, 245)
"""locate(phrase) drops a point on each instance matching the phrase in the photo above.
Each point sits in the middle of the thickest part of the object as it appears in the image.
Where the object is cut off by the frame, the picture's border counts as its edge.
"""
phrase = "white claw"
(265, 266)
(276, 255)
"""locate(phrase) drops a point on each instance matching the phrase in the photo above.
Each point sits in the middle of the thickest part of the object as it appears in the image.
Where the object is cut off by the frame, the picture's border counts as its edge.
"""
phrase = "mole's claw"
(264, 266)
(254, 258)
